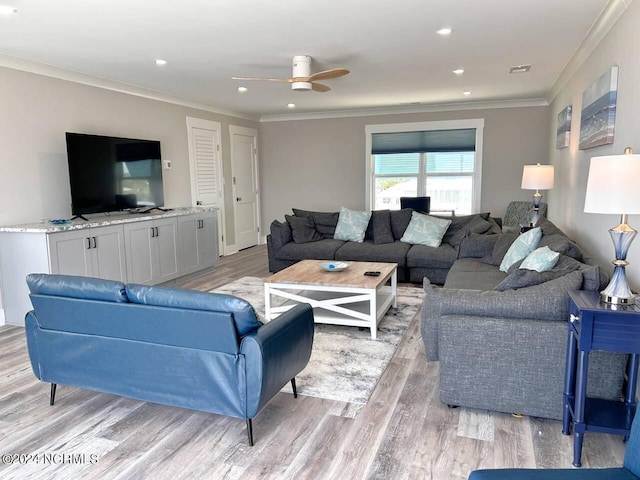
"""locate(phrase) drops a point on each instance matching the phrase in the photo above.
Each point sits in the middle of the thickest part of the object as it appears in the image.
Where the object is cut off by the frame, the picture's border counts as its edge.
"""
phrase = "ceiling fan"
(302, 79)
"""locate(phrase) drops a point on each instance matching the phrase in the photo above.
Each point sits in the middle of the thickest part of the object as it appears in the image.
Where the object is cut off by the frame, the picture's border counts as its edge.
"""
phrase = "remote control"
(372, 274)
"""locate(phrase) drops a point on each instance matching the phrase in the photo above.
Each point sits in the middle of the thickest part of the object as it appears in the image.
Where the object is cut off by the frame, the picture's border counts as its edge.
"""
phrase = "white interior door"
(205, 161)
(244, 168)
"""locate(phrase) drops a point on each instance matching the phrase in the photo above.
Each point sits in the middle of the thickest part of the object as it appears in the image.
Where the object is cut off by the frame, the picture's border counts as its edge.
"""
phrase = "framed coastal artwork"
(563, 132)
(598, 116)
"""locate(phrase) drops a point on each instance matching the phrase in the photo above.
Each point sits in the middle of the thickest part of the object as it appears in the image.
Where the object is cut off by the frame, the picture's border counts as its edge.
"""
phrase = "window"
(425, 159)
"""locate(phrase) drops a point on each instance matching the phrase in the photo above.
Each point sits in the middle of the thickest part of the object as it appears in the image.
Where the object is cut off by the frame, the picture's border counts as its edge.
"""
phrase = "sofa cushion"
(400, 221)
(561, 244)
(521, 247)
(500, 247)
(425, 230)
(244, 316)
(460, 225)
(321, 250)
(352, 225)
(540, 260)
(431, 257)
(303, 229)
(325, 221)
(379, 228)
(473, 274)
(72, 286)
(280, 234)
(522, 278)
(476, 225)
(476, 245)
(367, 251)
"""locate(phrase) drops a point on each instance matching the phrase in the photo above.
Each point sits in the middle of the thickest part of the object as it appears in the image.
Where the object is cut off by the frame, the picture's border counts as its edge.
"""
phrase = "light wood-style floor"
(404, 432)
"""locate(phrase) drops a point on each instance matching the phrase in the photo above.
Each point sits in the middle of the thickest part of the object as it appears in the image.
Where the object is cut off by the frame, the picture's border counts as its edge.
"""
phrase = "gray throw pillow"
(501, 247)
(325, 222)
(280, 234)
(560, 243)
(379, 228)
(400, 221)
(477, 245)
(522, 278)
(476, 225)
(303, 229)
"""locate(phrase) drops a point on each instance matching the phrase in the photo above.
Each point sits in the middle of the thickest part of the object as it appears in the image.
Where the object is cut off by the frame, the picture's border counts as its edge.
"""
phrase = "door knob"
(238, 199)
(198, 203)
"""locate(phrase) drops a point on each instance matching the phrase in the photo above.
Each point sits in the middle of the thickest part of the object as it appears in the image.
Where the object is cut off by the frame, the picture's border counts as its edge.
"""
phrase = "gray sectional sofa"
(500, 338)
(294, 240)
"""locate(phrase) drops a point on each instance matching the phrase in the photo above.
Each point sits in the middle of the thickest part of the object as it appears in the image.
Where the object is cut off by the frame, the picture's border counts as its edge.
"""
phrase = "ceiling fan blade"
(286, 80)
(318, 87)
(327, 74)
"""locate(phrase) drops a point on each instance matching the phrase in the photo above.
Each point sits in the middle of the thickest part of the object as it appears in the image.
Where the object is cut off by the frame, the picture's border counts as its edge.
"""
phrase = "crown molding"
(443, 107)
(603, 24)
(16, 63)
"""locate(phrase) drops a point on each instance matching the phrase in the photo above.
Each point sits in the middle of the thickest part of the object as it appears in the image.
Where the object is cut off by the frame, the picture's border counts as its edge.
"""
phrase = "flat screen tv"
(111, 173)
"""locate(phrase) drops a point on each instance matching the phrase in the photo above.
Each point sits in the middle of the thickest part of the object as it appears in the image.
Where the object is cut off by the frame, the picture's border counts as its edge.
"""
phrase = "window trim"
(477, 123)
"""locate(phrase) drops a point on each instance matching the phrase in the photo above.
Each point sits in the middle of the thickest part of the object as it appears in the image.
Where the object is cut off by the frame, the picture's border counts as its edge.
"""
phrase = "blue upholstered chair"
(629, 471)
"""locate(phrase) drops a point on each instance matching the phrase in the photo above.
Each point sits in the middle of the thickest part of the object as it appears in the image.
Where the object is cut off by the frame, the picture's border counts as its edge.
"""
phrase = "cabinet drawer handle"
(95, 243)
(157, 232)
(153, 232)
(573, 318)
(88, 243)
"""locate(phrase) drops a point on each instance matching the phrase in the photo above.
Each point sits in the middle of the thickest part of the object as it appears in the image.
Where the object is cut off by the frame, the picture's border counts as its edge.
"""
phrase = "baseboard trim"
(2, 321)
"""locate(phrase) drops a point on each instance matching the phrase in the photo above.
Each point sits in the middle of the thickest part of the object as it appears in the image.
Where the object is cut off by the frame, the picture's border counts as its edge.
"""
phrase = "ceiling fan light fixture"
(242, 89)
(291, 105)
(444, 31)
(458, 71)
(301, 86)
(466, 93)
(160, 62)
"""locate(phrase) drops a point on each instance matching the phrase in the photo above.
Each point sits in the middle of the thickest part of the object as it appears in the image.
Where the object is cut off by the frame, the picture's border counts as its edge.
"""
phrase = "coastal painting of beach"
(563, 132)
(598, 117)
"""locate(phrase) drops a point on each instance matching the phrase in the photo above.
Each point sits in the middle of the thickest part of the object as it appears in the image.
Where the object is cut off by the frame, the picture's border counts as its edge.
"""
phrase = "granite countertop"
(101, 220)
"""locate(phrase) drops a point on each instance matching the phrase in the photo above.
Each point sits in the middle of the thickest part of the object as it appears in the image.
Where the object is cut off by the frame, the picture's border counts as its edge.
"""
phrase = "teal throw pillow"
(425, 230)
(351, 225)
(540, 260)
(521, 247)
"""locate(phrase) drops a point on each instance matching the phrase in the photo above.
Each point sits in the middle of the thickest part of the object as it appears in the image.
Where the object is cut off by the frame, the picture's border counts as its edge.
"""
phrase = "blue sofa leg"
(53, 394)
(293, 386)
(250, 431)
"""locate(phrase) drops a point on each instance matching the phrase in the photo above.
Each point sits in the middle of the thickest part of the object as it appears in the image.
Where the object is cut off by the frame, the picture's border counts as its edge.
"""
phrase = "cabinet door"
(139, 246)
(70, 253)
(166, 249)
(188, 236)
(208, 241)
(108, 257)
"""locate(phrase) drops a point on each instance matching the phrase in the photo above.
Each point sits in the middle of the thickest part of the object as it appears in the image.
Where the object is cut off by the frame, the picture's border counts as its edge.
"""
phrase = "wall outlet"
(166, 164)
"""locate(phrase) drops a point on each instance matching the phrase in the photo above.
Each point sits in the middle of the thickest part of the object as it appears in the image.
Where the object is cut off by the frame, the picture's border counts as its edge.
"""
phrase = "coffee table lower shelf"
(347, 306)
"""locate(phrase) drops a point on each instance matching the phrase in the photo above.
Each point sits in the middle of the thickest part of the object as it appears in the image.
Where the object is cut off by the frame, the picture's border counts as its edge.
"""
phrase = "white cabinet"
(92, 252)
(198, 235)
(152, 250)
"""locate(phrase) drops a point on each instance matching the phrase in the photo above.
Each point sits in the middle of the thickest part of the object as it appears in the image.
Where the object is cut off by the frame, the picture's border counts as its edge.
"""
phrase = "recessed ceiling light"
(458, 71)
(444, 31)
(242, 89)
(291, 105)
(467, 93)
(520, 69)
(161, 62)
(7, 10)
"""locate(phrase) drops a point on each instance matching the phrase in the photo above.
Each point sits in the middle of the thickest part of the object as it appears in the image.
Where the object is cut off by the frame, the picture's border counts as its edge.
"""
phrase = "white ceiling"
(391, 47)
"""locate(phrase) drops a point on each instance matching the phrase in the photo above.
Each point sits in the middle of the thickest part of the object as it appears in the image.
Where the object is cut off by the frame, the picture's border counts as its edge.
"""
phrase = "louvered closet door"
(207, 159)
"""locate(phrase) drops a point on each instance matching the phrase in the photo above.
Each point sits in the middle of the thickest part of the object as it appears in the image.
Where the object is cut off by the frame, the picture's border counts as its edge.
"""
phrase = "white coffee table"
(348, 297)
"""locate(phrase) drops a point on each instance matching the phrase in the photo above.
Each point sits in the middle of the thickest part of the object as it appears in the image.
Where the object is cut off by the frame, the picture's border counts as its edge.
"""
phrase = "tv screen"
(112, 173)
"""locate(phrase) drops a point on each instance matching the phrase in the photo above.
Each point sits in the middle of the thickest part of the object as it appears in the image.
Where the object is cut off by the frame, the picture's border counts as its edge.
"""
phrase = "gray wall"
(320, 164)
(619, 47)
(36, 112)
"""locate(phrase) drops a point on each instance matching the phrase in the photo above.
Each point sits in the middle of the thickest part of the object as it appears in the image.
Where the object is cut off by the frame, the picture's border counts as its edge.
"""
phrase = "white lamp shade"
(537, 177)
(613, 185)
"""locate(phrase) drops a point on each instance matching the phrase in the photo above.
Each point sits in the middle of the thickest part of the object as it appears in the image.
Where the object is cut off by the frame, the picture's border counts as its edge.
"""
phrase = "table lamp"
(537, 177)
(613, 187)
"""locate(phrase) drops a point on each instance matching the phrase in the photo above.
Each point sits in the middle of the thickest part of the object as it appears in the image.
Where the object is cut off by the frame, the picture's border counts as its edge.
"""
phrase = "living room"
(301, 156)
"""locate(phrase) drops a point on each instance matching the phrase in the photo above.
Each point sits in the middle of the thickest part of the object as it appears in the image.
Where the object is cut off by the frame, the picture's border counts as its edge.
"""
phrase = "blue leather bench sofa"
(176, 347)
(629, 471)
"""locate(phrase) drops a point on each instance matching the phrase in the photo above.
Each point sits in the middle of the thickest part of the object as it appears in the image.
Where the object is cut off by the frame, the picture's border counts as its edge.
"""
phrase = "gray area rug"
(346, 364)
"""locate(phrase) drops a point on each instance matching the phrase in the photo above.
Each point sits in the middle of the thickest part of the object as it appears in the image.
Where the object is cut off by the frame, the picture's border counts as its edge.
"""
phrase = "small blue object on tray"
(60, 221)
(334, 266)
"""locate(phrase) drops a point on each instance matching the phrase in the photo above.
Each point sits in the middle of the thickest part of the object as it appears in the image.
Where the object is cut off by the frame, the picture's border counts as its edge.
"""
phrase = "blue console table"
(598, 326)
